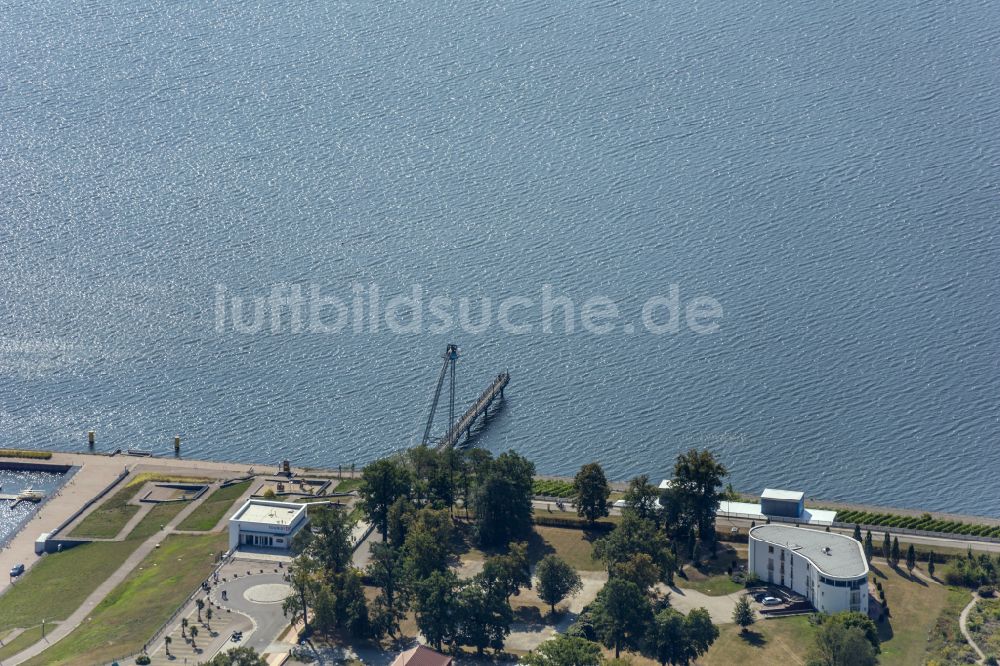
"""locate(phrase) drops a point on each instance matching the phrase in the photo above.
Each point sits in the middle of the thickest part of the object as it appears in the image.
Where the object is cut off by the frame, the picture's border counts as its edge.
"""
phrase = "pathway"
(98, 595)
(686, 600)
(962, 624)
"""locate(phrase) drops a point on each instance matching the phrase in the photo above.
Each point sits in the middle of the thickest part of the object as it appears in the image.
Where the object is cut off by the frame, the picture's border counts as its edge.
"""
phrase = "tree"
(382, 483)
(869, 546)
(591, 492)
(184, 625)
(484, 618)
(436, 607)
(386, 572)
(330, 544)
(930, 563)
(240, 656)
(632, 536)
(675, 639)
(696, 486)
(502, 502)
(200, 604)
(351, 605)
(837, 644)
(556, 581)
(507, 574)
(887, 548)
(166, 645)
(857, 620)
(639, 569)
(894, 557)
(301, 577)
(208, 618)
(743, 613)
(399, 519)
(621, 613)
(667, 641)
(428, 543)
(911, 558)
(194, 634)
(563, 650)
(641, 499)
(857, 532)
(701, 631)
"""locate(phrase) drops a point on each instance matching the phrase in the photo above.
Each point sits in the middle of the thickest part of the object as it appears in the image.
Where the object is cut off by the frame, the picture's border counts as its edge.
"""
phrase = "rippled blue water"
(13, 482)
(828, 173)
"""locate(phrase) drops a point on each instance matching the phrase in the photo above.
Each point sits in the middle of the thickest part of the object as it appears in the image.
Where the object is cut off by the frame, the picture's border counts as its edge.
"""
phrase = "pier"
(479, 408)
(28, 495)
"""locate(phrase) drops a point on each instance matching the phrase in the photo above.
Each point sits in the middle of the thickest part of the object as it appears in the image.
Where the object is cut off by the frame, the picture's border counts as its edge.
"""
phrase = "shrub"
(22, 453)
(986, 591)
(142, 660)
(571, 522)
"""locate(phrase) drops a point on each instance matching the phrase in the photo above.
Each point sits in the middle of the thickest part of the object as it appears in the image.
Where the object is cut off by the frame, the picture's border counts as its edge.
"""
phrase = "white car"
(771, 601)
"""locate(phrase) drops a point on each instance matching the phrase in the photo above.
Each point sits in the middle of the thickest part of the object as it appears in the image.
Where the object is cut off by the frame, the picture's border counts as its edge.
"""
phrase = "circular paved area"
(271, 593)
(268, 617)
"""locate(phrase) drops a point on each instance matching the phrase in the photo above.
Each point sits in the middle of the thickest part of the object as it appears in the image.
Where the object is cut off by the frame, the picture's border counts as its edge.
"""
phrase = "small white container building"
(265, 524)
(787, 503)
(828, 569)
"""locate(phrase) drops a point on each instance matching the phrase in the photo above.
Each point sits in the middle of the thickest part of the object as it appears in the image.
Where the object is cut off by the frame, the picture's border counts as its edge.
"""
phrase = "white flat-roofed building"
(828, 569)
(266, 524)
(788, 503)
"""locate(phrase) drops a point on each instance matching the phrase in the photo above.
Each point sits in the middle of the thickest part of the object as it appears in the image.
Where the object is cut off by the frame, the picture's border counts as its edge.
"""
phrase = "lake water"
(14, 481)
(828, 174)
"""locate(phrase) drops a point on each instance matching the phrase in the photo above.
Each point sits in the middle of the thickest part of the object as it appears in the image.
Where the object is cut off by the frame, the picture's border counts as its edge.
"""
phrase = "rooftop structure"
(265, 524)
(422, 656)
(272, 513)
(787, 495)
(830, 570)
(832, 554)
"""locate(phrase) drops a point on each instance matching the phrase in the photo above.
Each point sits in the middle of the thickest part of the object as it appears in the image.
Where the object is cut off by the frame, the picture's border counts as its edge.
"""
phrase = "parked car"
(771, 601)
(16, 570)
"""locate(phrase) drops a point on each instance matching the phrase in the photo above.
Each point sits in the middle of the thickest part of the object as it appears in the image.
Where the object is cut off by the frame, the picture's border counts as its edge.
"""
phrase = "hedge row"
(572, 522)
(21, 453)
(925, 522)
(553, 488)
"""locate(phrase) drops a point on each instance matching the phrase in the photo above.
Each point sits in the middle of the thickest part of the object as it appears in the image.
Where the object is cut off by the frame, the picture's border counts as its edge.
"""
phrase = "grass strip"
(214, 507)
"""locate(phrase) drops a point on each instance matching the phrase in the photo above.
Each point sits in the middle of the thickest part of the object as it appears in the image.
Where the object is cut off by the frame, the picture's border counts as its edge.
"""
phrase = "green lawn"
(139, 605)
(155, 520)
(110, 517)
(25, 640)
(914, 607)
(107, 520)
(574, 546)
(214, 507)
(710, 575)
(59, 582)
(347, 485)
(780, 641)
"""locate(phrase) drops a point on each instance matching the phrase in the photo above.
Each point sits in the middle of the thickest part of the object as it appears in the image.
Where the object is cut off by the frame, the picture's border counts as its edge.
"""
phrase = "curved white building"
(828, 569)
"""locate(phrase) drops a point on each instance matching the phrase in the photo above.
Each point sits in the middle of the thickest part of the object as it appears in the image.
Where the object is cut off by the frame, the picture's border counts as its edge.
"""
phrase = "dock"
(479, 408)
(28, 495)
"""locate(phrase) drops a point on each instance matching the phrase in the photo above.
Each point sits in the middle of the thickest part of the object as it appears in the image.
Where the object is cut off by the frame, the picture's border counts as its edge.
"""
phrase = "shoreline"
(156, 463)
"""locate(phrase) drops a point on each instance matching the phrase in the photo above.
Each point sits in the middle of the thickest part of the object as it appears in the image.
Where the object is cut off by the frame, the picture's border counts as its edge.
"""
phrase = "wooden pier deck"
(479, 408)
